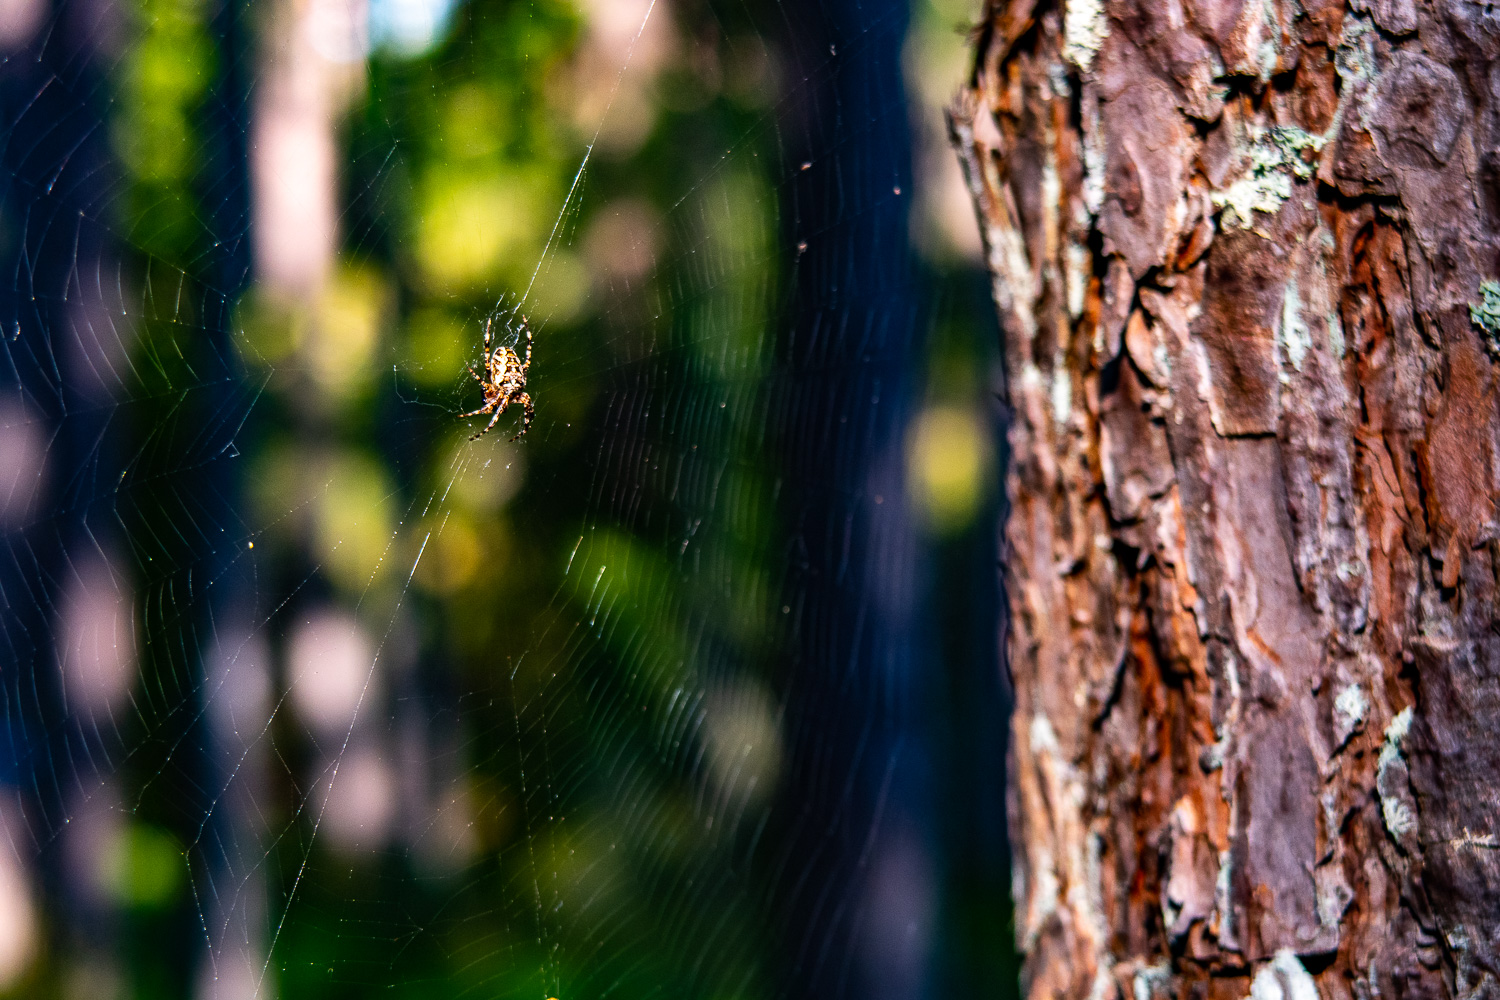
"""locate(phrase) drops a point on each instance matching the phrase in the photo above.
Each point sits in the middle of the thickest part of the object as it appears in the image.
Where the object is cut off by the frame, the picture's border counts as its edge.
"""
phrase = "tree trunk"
(1243, 254)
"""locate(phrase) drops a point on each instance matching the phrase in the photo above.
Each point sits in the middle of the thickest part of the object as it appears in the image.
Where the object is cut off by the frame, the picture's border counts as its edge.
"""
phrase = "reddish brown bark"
(1239, 251)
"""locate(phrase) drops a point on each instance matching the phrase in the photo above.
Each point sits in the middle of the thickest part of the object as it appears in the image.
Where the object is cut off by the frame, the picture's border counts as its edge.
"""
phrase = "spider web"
(692, 691)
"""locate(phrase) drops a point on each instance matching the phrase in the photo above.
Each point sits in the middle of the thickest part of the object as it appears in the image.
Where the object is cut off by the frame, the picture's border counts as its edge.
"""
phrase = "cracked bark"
(1240, 252)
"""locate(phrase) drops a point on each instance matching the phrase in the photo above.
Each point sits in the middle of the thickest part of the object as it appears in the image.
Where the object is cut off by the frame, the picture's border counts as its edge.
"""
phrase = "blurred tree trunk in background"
(1243, 254)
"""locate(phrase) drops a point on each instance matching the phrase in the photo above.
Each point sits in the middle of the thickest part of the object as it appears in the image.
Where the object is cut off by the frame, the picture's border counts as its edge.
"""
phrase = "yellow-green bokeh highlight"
(437, 347)
(342, 341)
(729, 322)
(562, 289)
(473, 123)
(615, 576)
(948, 459)
(167, 74)
(340, 504)
(334, 339)
(454, 553)
(143, 866)
(354, 520)
(475, 228)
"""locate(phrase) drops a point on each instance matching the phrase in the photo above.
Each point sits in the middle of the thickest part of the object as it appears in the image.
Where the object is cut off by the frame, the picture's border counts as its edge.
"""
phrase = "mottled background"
(692, 692)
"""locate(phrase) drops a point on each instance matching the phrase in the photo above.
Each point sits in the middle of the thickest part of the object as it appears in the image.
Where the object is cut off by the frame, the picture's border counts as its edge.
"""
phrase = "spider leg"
(524, 398)
(486, 408)
(504, 401)
(488, 324)
(525, 325)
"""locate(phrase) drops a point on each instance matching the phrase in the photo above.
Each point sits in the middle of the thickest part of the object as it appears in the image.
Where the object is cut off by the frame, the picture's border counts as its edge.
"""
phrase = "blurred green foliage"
(558, 617)
(167, 71)
(578, 630)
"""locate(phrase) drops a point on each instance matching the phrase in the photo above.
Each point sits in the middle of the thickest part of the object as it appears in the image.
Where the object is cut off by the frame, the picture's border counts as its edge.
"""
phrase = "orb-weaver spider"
(503, 381)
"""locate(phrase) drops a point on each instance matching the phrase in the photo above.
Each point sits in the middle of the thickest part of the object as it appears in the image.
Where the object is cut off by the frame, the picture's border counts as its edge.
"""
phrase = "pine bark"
(1242, 253)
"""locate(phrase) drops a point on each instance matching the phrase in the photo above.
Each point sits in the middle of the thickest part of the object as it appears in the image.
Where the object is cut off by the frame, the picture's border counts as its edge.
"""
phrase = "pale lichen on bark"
(1244, 254)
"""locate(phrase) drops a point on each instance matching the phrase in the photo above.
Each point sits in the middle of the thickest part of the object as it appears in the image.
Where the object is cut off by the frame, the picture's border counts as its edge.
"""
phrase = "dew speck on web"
(692, 690)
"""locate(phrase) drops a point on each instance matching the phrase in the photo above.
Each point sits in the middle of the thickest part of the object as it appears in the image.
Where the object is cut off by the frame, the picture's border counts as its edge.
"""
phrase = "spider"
(504, 381)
